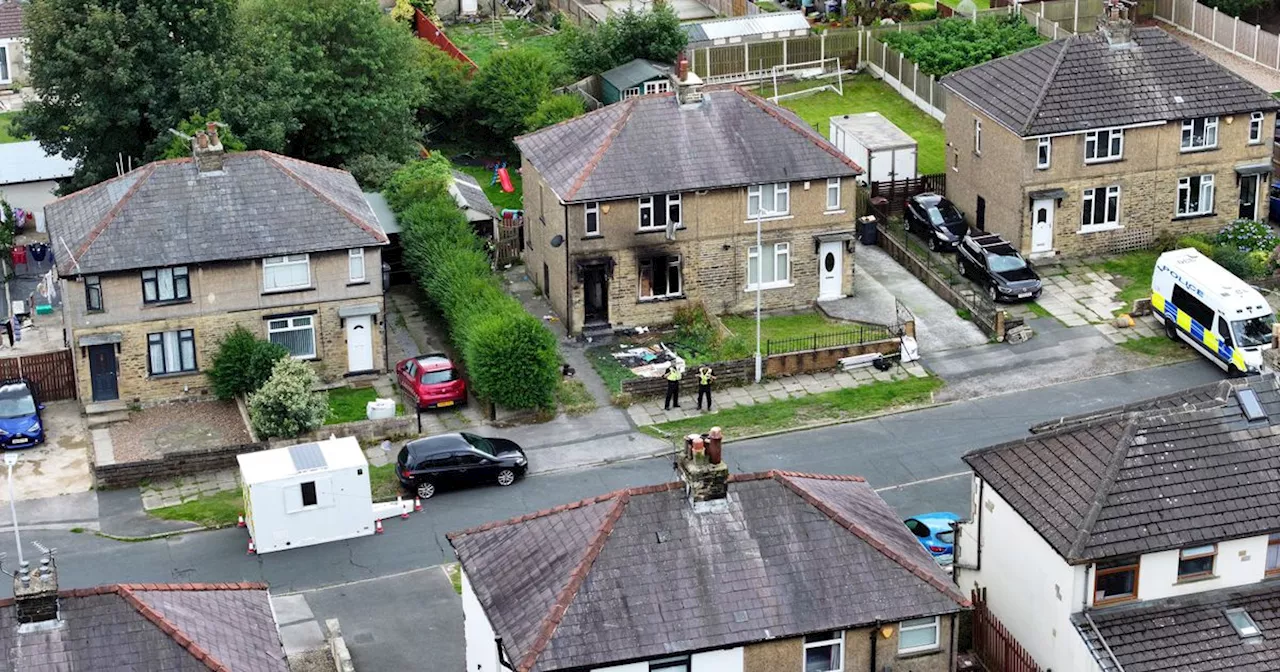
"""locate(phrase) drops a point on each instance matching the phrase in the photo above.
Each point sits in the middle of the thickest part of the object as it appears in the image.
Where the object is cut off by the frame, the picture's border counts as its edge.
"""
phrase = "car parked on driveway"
(995, 265)
(424, 466)
(1273, 201)
(432, 381)
(937, 533)
(935, 219)
(20, 423)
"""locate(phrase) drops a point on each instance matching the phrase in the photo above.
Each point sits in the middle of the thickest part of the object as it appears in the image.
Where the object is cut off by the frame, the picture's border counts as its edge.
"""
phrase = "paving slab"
(291, 609)
(301, 637)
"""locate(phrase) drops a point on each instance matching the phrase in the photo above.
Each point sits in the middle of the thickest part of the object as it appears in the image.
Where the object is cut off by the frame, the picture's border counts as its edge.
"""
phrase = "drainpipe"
(875, 634)
(568, 278)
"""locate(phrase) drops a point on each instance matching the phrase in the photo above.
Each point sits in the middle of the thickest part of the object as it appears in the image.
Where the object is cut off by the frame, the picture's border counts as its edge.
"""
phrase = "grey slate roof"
(1173, 472)
(637, 574)
(634, 72)
(1186, 634)
(150, 628)
(652, 145)
(167, 213)
(11, 19)
(473, 194)
(1080, 82)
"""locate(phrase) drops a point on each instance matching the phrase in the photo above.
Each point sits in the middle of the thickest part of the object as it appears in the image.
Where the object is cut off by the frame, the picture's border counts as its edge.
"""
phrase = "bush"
(1199, 243)
(1248, 235)
(955, 44)
(372, 170)
(1240, 262)
(288, 404)
(655, 35)
(554, 110)
(509, 88)
(242, 364)
(924, 14)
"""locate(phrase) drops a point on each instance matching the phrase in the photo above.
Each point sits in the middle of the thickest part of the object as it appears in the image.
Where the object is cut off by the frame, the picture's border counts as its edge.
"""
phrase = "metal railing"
(863, 333)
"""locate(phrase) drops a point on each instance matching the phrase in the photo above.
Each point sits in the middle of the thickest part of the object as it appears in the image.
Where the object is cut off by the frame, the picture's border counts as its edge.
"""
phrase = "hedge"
(510, 356)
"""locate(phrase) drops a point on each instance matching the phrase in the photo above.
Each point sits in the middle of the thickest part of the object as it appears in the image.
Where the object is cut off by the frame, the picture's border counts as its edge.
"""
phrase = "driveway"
(59, 466)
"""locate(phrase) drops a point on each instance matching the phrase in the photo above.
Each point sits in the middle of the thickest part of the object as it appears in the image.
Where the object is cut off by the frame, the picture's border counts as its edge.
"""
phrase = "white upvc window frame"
(175, 345)
(283, 262)
(660, 264)
(1089, 197)
(355, 258)
(657, 86)
(781, 252)
(833, 190)
(1044, 153)
(291, 325)
(1106, 144)
(1205, 188)
(977, 136)
(649, 204)
(837, 640)
(591, 219)
(928, 623)
(1208, 137)
(631, 92)
(1256, 120)
(6, 75)
(755, 193)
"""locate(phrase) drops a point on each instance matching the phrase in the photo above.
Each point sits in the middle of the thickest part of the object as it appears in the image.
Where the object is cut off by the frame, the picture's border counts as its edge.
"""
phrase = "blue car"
(935, 531)
(20, 424)
(1274, 202)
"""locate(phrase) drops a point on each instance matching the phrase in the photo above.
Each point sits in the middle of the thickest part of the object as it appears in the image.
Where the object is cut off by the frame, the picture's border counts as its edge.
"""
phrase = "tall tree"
(655, 34)
(509, 88)
(107, 74)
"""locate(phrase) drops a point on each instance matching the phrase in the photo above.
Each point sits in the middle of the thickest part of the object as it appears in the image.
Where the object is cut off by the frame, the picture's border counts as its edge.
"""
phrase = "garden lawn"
(1159, 347)
(478, 40)
(981, 4)
(784, 327)
(862, 93)
(499, 198)
(348, 405)
(611, 371)
(1137, 267)
(6, 134)
(837, 405)
(213, 510)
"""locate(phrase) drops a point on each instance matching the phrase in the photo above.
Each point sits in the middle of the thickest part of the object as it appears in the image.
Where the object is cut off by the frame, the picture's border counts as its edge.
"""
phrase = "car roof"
(928, 199)
(995, 244)
(437, 444)
(434, 362)
(11, 382)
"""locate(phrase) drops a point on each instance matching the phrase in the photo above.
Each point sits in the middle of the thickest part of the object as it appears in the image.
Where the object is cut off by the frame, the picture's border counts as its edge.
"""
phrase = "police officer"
(704, 385)
(673, 386)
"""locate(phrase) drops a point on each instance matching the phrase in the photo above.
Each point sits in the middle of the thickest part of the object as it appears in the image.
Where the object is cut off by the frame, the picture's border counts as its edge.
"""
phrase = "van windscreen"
(1252, 332)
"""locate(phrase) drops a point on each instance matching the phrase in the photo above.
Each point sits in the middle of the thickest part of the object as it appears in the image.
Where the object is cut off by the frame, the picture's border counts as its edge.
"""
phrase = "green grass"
(846, 404)
(1159, 347)
(454, 571)
(6, 123)
(348, 405)
(1038, 310)
(778, 327)
(573, 398)
(1137, 267)
(766, 6)
(611, 371)
(981, 4)
(212, 510)
(478, 40)
(865, 94)
(383, 482)
(499, 198)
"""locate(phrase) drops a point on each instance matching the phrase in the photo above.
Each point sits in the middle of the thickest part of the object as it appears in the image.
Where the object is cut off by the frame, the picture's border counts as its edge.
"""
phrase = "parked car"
(993, 263)
(454, 460)
(20, 423)
(432, 380)
(1273, 212)
(936, 532)
(935, 219)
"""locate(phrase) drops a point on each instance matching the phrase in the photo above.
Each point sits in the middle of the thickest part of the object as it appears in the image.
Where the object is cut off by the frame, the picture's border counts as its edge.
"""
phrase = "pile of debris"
(650, 361)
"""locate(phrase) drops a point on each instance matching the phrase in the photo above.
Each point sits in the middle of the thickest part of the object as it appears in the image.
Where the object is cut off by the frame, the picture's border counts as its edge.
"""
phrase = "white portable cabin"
(306, 494)
(882, 149)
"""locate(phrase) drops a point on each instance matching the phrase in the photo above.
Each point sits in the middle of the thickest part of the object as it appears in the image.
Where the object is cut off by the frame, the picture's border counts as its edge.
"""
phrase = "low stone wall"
(728, 374)
(990, 322)
(823, 359)
(365, 430)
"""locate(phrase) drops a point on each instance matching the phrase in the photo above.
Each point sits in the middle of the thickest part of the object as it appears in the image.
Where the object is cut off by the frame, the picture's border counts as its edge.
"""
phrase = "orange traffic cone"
(417, 504)
(252, 549)
(377, 528)
(240, 521)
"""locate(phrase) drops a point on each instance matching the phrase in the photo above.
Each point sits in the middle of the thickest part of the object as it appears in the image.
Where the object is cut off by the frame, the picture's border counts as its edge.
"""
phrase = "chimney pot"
(714, 441)
(36, 594)
(207, 149)
(706, 482)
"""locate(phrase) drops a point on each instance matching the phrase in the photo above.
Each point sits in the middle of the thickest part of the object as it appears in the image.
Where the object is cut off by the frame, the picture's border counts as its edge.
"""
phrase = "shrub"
(655, 35)
(242, 363)
(288, 403)
(509, 88)
(372, 170)
(1248, 235)
(417, 182)
(499, 340)
(1205, 247)
(924, 14)
(955, 44)
(1240, 262)
(554, 110)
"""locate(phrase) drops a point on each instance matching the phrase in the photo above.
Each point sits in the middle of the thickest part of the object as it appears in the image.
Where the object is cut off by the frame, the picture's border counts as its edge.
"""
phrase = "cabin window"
(309, 494)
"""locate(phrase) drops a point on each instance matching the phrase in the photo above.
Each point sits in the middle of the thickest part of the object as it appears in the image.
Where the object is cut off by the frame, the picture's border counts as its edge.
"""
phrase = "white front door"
(830, 267)
(1042, 226)
(360, 343)
(470, 6)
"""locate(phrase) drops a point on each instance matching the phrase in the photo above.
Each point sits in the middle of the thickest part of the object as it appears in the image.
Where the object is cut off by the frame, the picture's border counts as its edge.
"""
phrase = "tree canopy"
(655, 35)
(955, 44)
(509, 88)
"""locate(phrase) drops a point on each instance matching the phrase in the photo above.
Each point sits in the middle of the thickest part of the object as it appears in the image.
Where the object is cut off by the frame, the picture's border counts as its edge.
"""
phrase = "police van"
(1217, 313)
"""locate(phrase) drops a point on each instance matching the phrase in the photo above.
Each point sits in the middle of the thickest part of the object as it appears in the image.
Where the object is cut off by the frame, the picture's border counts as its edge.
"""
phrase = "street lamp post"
(11, 459)
(759, 283)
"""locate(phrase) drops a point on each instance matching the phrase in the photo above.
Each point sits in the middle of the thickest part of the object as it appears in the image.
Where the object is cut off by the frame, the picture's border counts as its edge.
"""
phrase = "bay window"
(1195, 195)
(1199, 133)
(769, 200)
(1100, 208)
(288, 272)
(772, 269)
(297, 335)
(660, 277)
(165, 284)
(171, 352)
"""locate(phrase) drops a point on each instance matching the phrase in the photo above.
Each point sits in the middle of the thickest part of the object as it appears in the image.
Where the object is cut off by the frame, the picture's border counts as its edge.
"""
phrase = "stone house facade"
(13, 47)
(624, 225)
(149, 294)
(1083, 158)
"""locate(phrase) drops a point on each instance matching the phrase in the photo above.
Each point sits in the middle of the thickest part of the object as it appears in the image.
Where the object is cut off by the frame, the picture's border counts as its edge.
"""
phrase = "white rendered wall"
(482, 649)
(1239, 562)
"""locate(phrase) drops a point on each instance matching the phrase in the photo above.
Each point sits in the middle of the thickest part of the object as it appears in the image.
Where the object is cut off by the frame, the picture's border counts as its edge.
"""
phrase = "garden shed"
(884, 151)
(752, 28)
(306, 494)
(634, 78)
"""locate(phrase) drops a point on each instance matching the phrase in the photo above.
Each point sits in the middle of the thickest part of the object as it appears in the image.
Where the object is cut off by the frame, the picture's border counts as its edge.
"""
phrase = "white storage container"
(380, 408)
(879, 147)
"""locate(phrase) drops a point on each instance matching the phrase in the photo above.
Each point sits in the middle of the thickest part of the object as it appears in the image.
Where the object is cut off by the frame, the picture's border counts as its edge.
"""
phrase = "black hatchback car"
(993, 263)
(935, 219)
(455, 460)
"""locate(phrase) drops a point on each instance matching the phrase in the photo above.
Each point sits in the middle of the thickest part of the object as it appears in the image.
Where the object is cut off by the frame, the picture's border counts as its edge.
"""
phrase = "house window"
(631, 92)
(309, 494)
(977, 136)
(660, 277)
(296, 334)
(92, 292)
(1103, 145)
(833, 193)
(656, 211)
(1197, 562)
(1273, 555)
(591, 218)
(1199, 133)
(171, 352)
(1255, 128)
(288, 272)
(1044, 151)
(1195, 195)
(920, 634)
(1100, 208)
(659, 86)
(768, 200)
(824, 651)
(4, 65)
(776, 267)
(165, 284)
(355, 265)
(675, 664)
(1115, 581)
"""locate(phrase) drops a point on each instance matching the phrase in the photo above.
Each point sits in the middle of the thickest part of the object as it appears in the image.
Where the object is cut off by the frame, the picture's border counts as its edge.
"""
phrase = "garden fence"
(1060, 18)
(754, 61)
(863, 333)
(1240, 37)
(897, 192)
(997, 649)
(579, 12)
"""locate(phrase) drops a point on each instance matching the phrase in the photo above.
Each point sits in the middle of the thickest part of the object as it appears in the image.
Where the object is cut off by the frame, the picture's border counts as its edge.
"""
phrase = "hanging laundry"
(20, 255)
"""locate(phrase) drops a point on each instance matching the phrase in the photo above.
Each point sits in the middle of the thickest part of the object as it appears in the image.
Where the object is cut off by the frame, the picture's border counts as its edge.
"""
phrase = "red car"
(432, 380)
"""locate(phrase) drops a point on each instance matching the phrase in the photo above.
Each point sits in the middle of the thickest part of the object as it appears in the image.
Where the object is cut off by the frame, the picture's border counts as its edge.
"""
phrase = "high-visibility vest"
(704, 377)
(673, 374)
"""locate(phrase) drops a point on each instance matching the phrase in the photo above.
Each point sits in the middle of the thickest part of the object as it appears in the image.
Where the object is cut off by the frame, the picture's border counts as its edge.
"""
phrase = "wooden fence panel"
(997, 649)
(52, 373)
(763, 56)
(898, 191)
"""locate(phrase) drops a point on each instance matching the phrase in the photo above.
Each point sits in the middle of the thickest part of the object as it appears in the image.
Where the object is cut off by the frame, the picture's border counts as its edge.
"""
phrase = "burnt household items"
(673, 386)
(704, 385)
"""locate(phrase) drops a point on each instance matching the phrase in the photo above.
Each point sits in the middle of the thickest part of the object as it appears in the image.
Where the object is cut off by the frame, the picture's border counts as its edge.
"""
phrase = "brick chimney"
(1115, 23)
(705, 475)
(688, 84)
(206, 148)
(35, 593)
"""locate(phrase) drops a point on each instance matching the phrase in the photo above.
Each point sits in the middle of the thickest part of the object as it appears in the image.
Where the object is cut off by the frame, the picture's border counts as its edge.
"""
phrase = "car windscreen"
(16, 401)
(946, 537)
(1003, 263)
(1252, 332)
(943, 212)
(479, 443)
(437, 377)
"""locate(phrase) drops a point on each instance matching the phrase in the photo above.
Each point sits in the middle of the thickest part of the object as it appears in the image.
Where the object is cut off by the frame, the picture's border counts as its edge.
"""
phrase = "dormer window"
(1197, 562)
(1115, 581)
(1198, 134)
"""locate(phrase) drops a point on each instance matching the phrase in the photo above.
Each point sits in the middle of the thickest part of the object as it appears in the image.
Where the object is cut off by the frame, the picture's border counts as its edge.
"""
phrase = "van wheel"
(1170, 329)
(426, 490)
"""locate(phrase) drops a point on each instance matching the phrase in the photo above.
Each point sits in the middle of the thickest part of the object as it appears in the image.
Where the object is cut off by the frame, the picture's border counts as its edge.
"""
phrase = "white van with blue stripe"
(1211, 309)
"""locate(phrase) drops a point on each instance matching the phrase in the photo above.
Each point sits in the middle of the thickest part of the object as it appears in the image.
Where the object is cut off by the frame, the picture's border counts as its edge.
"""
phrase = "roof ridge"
(590, 166)
(819, 141)
(166, 626)
(1044, 88)
(1069, 423)
(99, 228)
(872, 540)
(494, 524)
(274, 159)
(1103, 491)
(576, 578)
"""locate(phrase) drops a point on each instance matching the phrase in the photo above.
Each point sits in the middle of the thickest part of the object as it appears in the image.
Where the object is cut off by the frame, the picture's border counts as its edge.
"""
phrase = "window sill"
(157, 304)
(1196, 215)
(1271, 575)
(1099, 229)
(772, 285)
(775, 218)
(1094, 162)
(919, 653)
(652, 229)
(1114, 601)
(659, 299)
(1195, 578)
(175, 374)
(593, 236)
(1197, 150)
(357, 283)
(286, 290)
(834, 212)
(306, 358)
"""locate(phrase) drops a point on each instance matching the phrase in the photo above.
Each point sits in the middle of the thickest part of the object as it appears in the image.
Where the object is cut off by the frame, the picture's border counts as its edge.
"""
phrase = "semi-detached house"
(1101, 142)
(162, 262)
(647, 205)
